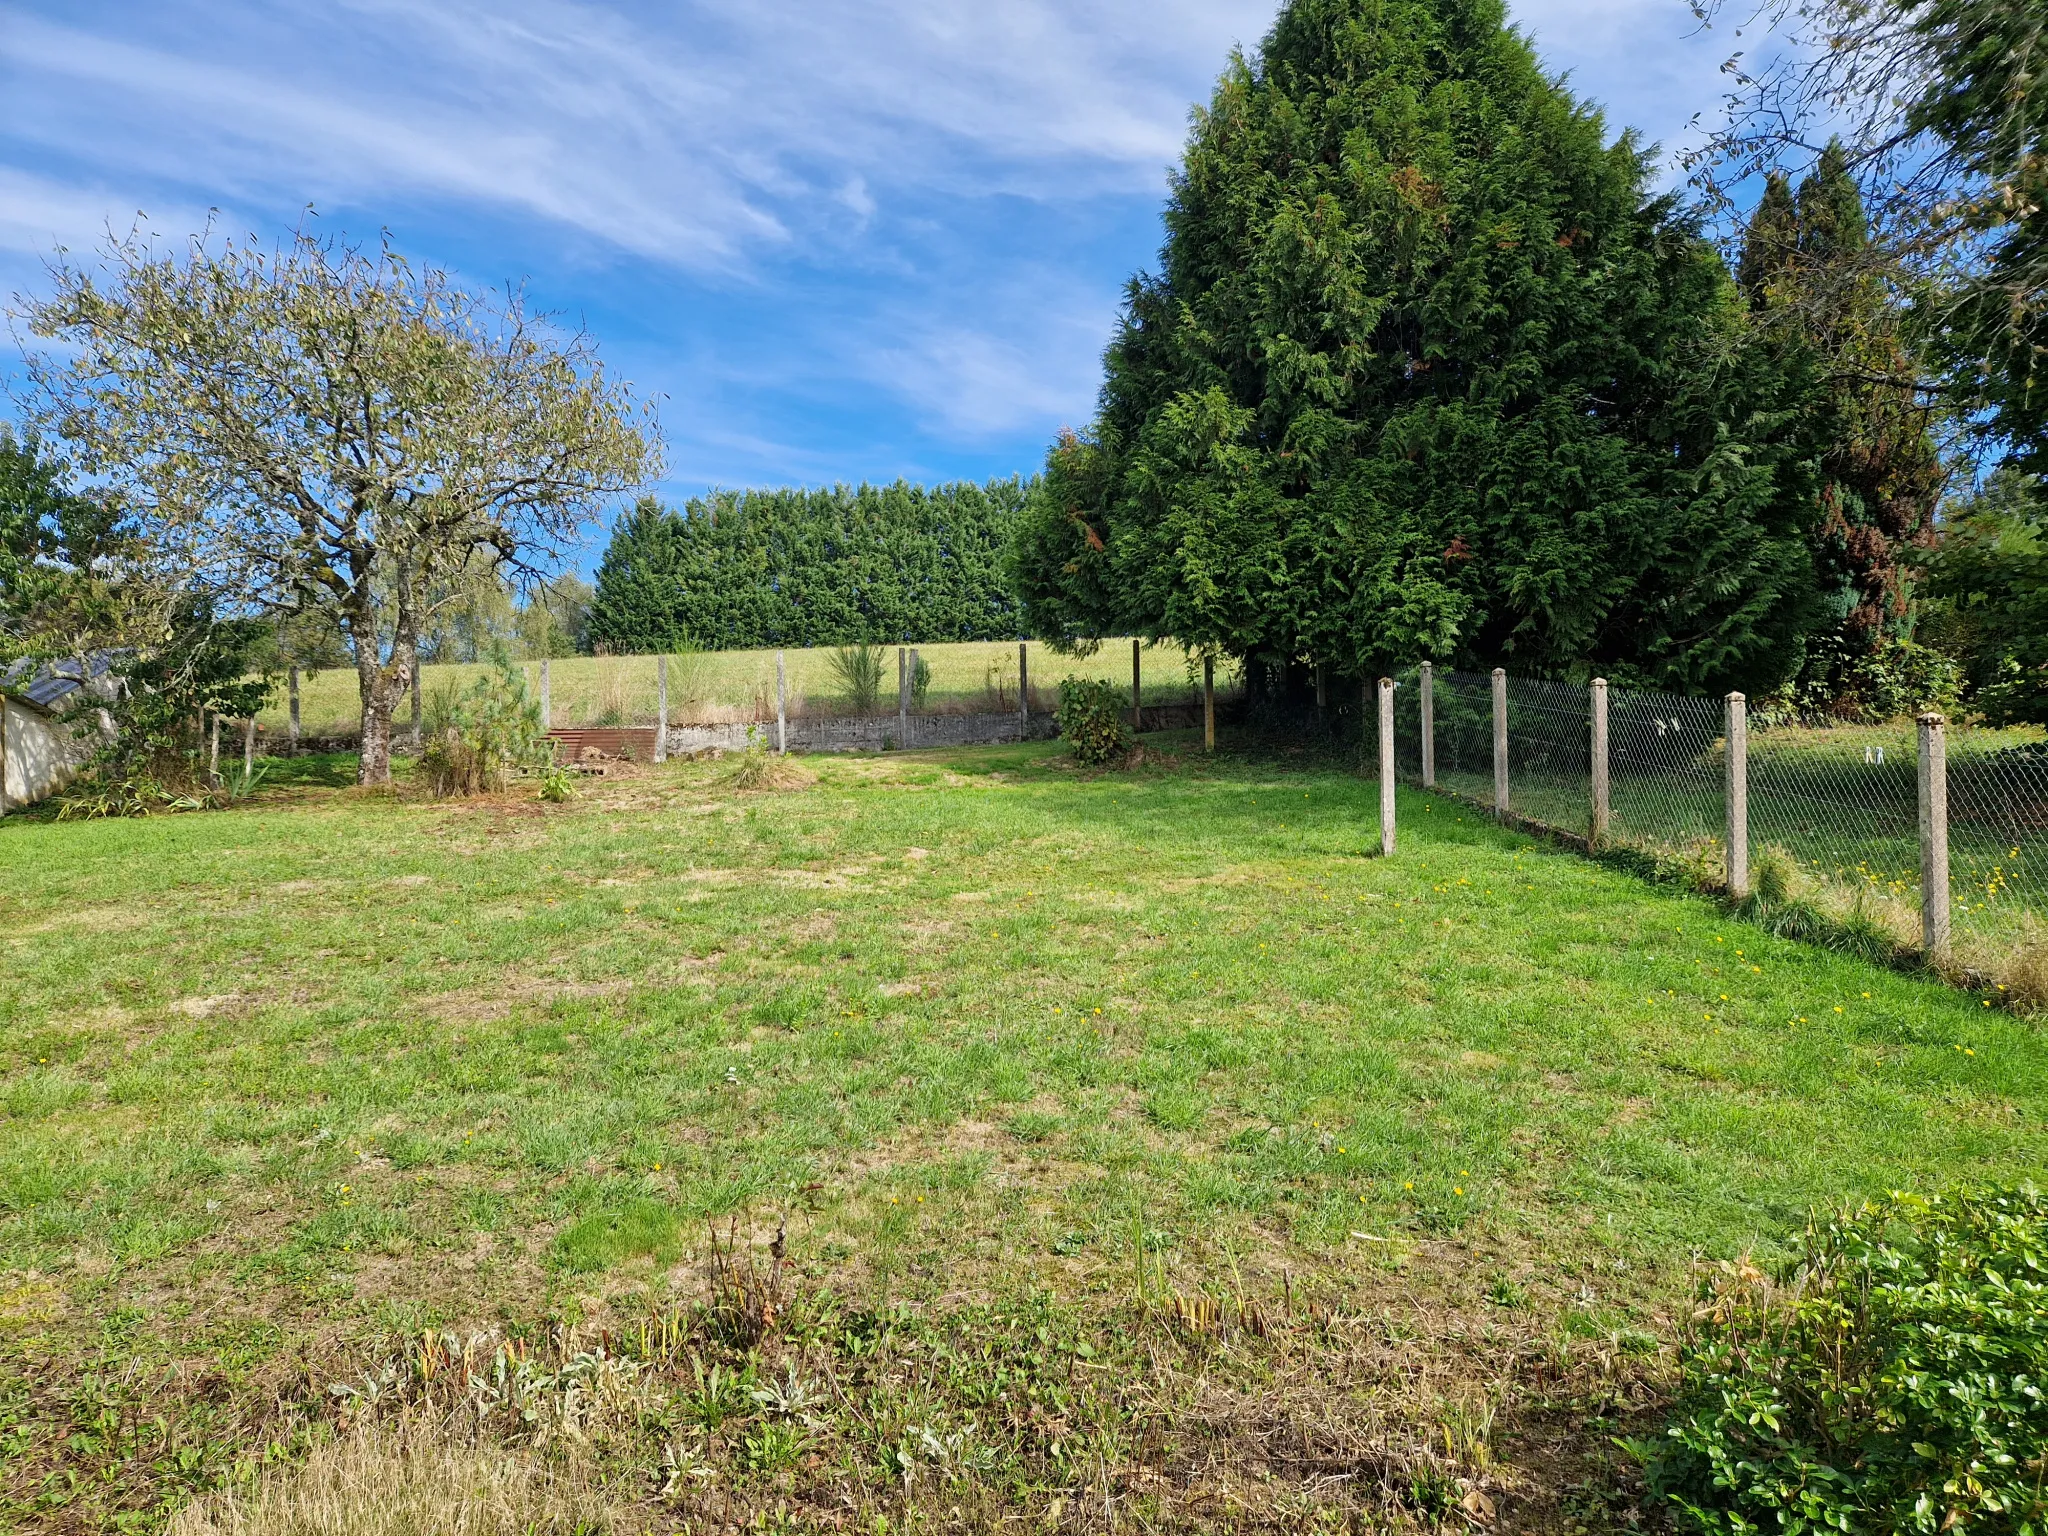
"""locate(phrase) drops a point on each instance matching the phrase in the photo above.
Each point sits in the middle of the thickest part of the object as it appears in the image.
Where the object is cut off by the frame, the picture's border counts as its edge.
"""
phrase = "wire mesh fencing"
(1832, 814)
(1667, 770)
(1463, 734)
(1841, 809)
(1998, 841)
(1548, 759)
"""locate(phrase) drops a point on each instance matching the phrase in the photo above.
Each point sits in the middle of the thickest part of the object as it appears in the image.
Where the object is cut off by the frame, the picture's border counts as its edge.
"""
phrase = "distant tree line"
(811, 567)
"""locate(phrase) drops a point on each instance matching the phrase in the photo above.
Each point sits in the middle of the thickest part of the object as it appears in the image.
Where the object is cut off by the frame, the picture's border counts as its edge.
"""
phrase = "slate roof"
(43, 684)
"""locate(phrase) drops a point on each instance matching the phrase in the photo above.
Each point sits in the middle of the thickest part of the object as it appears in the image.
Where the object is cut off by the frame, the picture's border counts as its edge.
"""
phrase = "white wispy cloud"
(691, 135)
(672, 159)
(39, 216)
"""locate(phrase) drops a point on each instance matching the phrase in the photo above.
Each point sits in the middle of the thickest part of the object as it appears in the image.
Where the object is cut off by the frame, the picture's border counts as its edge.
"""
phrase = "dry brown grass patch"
(759, 772)
(412, 1480)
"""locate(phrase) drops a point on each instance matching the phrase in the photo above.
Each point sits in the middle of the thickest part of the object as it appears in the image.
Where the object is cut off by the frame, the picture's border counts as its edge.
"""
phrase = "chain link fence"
(1833, 813)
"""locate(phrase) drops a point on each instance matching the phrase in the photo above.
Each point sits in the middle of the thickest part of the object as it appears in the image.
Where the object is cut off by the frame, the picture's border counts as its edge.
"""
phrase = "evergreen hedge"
(845, 566)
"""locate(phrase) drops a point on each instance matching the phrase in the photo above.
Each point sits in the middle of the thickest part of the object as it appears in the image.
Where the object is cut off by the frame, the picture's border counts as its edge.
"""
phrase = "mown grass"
(723, 685)
(286, 1083)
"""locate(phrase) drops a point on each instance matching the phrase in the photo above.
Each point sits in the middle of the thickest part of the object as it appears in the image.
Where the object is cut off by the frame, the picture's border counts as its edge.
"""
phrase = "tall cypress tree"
(1427, 371)
(1806, 263)
(1770, 243)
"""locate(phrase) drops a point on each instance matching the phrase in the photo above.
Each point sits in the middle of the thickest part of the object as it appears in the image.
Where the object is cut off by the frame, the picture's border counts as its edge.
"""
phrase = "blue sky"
(835, 240)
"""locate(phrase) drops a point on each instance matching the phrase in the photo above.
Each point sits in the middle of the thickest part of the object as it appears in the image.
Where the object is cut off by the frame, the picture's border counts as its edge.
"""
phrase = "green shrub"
(1091, 717)
(744, 569)
(1891, 1381)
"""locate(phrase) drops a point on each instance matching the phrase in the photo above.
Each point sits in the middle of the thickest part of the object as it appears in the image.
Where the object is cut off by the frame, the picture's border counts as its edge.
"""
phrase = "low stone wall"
(871, 733)
(879, 733)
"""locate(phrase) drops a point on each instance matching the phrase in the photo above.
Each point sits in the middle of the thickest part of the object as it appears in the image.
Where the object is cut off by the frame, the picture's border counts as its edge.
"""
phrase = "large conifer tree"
(1427, 372)
(1807, 273)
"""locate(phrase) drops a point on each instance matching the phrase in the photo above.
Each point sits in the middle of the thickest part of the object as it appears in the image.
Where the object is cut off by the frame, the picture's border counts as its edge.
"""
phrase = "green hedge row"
(743, 569)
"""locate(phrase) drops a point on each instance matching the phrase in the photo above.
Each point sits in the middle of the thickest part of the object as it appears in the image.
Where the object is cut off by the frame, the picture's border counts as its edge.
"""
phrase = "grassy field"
(729, 685)
(1150, 1157)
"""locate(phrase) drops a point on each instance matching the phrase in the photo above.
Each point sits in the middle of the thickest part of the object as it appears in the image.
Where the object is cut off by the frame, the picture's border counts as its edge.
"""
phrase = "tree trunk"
(373, 764)
(381, 686)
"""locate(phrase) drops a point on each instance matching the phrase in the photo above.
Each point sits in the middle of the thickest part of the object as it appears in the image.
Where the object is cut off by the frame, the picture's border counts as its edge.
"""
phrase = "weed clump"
(557, 786)
(2026, 972)
(858, 671)
(758, 769)
(1886, 1382)
(1777, 876)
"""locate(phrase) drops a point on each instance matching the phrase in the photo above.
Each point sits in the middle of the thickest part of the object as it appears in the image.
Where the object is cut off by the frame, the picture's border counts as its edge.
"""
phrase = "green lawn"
(298, 1079)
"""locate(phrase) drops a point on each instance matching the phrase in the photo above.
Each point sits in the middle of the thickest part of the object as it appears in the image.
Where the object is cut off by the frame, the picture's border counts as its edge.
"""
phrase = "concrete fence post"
(1024, 687)
(248, 746)
(418, 704)
(1208, 703)
(1738, 796)
(547, 712)
(1386, 767)
(294, 688)
(661, 709)
(1428, 687)
(213, 751)
(1934, 909)
(1500, 742)
(781, 707)
(1596, 826)
(910, 697)
(902, 698)
(1137, 689)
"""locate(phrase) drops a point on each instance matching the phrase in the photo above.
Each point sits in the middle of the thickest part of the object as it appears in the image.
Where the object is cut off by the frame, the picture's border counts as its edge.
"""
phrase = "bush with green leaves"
(557, 785)
(1092, 719)
(485, 733)
(1890, 1381)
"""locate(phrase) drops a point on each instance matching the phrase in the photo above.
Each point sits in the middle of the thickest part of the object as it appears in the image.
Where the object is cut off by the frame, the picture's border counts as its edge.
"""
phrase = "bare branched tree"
(1940, 108)
(323, 426)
